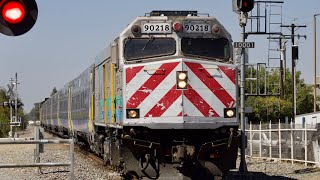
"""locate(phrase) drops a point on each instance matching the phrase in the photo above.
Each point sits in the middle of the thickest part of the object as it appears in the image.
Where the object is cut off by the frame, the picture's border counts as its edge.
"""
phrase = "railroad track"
(89, 155)
(79, 149)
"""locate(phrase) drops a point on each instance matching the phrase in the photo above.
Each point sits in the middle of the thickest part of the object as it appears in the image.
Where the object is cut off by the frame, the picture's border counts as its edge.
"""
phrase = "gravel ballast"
(84, 169)
(87, 169)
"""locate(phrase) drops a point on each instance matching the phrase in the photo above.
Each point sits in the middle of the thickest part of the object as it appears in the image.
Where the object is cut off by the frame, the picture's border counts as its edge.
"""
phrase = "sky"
(69, 34)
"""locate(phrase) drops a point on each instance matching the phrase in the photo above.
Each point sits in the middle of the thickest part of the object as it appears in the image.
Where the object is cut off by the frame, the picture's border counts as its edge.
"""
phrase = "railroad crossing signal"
(10, 89)
(17, 16)
(12, 104)
(245, 5)
(5, 104)
(15, 121)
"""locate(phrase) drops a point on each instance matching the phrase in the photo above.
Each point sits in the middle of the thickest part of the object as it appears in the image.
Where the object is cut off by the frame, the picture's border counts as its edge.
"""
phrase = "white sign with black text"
(243, 44)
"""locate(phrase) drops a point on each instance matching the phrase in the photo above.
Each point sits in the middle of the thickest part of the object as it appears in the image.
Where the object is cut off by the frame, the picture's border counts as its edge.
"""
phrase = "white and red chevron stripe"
(211, 82)
(166, 101)
(156, 76)
(152, 89)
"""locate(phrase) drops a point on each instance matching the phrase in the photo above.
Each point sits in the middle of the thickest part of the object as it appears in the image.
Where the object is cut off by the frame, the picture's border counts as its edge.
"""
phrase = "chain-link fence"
(284, 141)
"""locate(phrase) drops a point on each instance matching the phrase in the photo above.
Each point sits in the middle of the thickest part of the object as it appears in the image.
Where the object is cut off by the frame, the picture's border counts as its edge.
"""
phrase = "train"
(159, 102)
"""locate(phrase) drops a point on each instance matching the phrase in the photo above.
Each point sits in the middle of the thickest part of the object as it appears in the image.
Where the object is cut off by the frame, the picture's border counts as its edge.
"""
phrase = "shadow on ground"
(253, 176)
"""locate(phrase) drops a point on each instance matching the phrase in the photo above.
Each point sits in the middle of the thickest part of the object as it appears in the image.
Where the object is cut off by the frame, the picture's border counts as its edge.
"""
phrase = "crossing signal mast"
(243, 7)
(17, 16)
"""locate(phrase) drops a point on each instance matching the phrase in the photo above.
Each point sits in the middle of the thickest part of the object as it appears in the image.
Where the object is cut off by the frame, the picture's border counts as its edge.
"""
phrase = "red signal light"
(13, 12)
(177, 27)
(17, 16)
(245, 5)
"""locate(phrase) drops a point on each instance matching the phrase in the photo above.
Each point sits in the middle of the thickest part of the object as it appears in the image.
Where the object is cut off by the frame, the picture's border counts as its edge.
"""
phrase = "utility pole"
(283, 58)
(293, 76)
(315, 62)
(15, 104)
(281, 71)
(283, 61)
(11, 93)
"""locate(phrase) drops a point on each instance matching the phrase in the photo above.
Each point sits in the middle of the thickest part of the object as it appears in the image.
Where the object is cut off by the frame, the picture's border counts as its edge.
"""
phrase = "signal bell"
(245, 5)
(17, 16)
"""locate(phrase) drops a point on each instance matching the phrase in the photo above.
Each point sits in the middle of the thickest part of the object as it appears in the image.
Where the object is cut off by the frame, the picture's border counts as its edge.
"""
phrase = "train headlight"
(133, 113)
(136, 30)
(182, 80)
(182, 76)
(182, 85)
(229, 112)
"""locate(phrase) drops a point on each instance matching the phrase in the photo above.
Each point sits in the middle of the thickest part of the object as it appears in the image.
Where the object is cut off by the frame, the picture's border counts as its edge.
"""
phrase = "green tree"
(4, 115)
(273, 107)
(34, 114)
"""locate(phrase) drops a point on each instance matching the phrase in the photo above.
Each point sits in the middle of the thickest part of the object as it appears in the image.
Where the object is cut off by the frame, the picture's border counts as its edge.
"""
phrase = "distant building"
(308, 119)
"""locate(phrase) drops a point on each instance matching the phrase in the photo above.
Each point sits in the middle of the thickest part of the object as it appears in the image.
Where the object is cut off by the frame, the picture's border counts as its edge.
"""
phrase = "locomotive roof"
(173, 13)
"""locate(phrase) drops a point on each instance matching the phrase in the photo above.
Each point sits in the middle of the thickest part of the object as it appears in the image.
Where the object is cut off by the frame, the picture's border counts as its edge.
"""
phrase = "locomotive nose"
(181, 87)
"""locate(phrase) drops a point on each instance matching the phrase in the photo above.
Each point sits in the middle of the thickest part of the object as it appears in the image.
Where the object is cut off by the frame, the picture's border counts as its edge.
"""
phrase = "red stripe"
(230, 72)
(165, 102)
(180, 114)
(211, 83)
(132, 72)
(200, 103)
(146, 89)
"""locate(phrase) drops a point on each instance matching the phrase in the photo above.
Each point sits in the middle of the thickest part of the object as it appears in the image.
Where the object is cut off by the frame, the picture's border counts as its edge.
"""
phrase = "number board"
(243, 44)
(196, 27)
(156, 28)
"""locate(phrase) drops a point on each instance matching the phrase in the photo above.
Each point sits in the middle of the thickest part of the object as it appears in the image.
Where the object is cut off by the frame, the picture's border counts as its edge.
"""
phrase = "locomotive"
(159, 102)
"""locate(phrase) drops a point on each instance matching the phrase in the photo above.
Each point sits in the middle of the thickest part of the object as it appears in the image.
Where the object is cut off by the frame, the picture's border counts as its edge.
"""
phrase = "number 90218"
(156, 28)
(196, 28)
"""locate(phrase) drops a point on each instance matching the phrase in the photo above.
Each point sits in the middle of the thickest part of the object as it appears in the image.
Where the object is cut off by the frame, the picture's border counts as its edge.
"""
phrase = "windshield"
(138, 48)
(206, 47)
